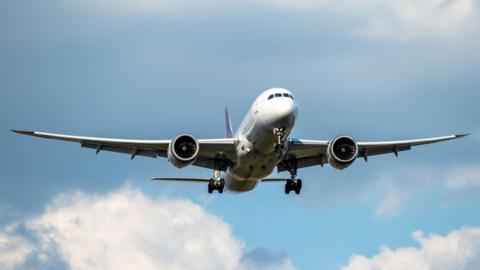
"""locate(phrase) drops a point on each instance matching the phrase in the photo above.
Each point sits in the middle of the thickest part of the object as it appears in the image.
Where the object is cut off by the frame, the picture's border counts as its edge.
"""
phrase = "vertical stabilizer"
(228, 124)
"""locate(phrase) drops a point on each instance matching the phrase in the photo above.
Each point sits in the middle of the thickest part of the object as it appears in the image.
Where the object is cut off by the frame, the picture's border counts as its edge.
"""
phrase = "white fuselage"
(255, 156)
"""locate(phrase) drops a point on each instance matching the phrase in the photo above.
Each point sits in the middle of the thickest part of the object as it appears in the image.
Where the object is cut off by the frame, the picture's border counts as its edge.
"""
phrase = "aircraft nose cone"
(286, 111)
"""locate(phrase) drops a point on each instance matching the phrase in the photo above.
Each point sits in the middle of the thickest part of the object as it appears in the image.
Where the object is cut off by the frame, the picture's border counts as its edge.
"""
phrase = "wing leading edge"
(209, 148)
(308, 153)
(367, 149)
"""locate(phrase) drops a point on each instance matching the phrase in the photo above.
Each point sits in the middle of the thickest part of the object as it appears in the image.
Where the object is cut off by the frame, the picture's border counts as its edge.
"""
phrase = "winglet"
(228, 123)
(461, 135)
(23, 132)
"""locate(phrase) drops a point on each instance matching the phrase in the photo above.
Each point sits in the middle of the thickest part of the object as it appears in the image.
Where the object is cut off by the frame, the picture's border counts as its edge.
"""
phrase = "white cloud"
(393, 20)
(159, 7)
(459, 250)
(396, 188)
(463, 178)
(14, 249)
(393, 199)
(408, 19)
(372, 19)
(125, 230)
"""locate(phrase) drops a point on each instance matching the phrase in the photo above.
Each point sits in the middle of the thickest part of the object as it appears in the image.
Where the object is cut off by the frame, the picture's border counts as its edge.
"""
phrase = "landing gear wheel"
(221, 187)
(210, 186)
(298, 186)
(293, 185)
(218, 185)
(288, 186)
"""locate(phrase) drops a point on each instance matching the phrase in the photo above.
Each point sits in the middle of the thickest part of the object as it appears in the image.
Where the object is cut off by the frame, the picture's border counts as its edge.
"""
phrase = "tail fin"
(228, 123)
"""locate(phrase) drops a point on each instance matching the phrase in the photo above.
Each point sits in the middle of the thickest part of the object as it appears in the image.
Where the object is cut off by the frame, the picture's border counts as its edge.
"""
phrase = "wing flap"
(133, 151)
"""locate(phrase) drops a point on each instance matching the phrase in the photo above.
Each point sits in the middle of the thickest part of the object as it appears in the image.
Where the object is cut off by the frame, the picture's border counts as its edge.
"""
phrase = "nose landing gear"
(280, 146)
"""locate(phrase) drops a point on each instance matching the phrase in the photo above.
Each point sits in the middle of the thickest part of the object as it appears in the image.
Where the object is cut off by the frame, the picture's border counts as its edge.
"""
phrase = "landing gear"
(216, 183)
(280, 146)
(293, 184)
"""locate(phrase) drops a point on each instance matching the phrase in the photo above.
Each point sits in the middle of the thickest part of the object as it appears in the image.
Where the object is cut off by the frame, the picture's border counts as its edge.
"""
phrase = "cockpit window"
(280, 95)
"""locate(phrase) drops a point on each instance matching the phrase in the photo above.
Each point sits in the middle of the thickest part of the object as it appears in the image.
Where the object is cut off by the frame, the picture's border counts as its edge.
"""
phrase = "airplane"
(261, 144)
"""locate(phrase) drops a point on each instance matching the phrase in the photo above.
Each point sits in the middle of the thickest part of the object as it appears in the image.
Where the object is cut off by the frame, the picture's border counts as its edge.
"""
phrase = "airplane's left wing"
(209, 148)
(307, 153)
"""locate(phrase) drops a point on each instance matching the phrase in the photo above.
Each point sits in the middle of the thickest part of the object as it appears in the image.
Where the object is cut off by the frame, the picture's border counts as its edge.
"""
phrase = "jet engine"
(183, 150)
(342, 152)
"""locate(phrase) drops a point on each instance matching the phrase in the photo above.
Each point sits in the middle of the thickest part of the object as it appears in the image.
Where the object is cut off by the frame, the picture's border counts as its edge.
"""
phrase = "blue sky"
(153, 69)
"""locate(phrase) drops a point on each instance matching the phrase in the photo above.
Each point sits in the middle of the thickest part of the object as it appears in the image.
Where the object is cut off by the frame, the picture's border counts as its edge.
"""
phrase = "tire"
(299, 184)
(289, 186)
(210, 186)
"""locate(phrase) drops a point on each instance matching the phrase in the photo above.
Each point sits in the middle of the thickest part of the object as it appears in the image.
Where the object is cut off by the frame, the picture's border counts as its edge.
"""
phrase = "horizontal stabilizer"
(274, 180)
(182, 179)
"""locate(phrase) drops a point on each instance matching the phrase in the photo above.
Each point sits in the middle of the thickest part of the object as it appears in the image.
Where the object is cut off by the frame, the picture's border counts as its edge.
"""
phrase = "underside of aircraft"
(262, 143)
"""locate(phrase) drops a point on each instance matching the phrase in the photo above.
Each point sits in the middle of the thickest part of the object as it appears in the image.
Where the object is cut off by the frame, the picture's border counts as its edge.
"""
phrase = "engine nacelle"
(342, 152)
(183, 150)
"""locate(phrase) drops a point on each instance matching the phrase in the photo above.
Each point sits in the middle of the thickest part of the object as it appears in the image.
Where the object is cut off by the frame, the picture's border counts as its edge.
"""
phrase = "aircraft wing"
(209, 148)
(367, 149)
(310, 153)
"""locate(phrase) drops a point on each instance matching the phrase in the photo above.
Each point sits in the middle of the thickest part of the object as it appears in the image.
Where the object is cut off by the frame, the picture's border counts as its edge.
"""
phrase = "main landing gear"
(293, 184)
(216, 183)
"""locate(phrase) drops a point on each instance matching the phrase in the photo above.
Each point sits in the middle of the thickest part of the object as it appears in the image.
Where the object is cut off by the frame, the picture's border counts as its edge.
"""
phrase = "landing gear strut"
(216, 183)
(293, 184)
(280, 146)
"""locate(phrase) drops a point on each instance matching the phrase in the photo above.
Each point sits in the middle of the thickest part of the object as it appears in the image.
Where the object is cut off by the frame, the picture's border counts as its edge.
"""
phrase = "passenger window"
(278, 95)
(270, 97)
(285, 95)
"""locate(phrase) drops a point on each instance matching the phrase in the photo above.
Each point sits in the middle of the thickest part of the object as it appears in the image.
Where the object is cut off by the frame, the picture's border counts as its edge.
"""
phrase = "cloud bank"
(127, 230)
(14, 249)
(401, 20)
(459, 250)
(457, 181)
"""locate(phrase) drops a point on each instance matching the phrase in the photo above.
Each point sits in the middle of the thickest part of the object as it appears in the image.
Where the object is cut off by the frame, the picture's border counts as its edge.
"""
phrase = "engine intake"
(183, 150)
(342, 152)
